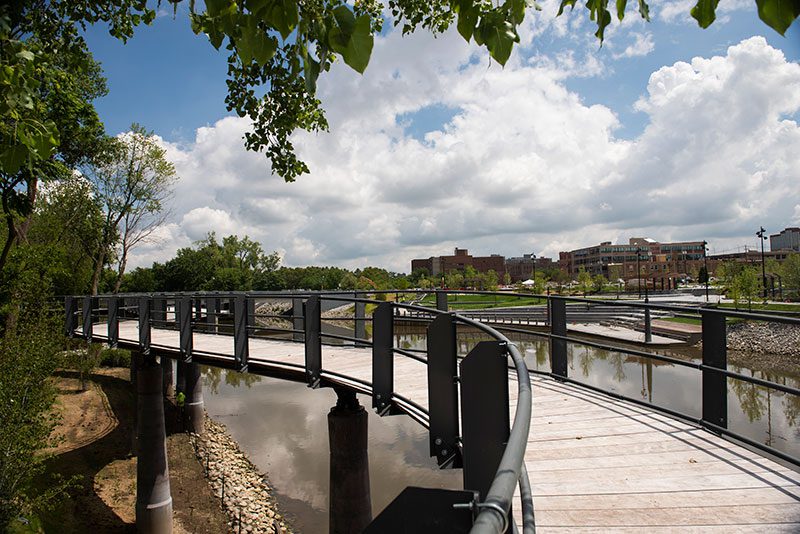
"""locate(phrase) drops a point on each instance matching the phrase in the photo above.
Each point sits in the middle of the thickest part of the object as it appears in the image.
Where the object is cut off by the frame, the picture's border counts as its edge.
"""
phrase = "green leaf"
(254, 43)
(467, 19)
(281, 15)
(704, 12)
(12, 159)
(217, 7)
(565, 3)
(310, 73)
(360, 48)
(644, 10)
(499, 37)
(778, 14)
(25, 55)
(621, 4)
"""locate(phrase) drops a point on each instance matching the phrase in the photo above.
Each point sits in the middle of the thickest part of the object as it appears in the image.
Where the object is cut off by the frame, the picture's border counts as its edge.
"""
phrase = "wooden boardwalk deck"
(596, 464)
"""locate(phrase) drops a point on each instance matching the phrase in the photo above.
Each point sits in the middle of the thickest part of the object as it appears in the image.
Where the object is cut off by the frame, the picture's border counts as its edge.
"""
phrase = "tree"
(747, 285)
(790, 273)
(506, 279)
(151, 177)
(585, 283)
(131, 182)
(600, 282)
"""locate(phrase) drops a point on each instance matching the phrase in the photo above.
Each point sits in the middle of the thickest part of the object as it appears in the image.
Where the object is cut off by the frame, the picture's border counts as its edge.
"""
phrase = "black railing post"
(359, 317)
(311, 315)
(183, 314)
(144, 325)
(113, 321)
(212, 315)
(382, 357)
(251, 311)
(715, 356)
(648, 327)
(88, 317)
(297, 318)
(558, 327)
(70, 316)
(441, 300)
(443, 391)
(484, 414)
(241, 341)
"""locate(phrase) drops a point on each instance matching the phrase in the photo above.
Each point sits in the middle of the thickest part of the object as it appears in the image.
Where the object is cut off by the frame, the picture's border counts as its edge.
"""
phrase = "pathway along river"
(283, 425)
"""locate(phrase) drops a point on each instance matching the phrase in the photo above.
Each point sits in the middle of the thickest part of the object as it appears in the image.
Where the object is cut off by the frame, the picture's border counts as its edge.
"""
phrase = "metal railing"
(468, 398)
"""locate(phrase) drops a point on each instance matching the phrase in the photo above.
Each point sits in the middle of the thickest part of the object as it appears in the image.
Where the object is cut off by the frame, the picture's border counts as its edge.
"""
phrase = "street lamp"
(534, 269)
(763, 238)
(638, 272)
(705, 266)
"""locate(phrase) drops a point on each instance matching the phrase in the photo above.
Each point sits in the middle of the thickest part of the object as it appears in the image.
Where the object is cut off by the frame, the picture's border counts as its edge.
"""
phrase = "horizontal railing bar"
(346, 338)
(632, 352)
(406, 353)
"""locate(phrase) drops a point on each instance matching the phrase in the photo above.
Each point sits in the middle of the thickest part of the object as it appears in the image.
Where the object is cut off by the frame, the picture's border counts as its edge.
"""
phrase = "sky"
(667, 131)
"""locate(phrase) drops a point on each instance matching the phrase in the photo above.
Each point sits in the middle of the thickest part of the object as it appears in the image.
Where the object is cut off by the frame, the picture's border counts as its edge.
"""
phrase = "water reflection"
(283, 428)
(757, 412)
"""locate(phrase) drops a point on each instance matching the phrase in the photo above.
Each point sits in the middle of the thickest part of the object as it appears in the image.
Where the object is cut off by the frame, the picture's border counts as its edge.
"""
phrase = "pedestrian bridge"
(595, 461)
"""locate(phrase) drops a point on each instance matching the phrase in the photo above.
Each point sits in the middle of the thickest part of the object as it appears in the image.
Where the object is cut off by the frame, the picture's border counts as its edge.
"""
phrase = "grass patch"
(761, 306)
(482, 302)
(682, 320)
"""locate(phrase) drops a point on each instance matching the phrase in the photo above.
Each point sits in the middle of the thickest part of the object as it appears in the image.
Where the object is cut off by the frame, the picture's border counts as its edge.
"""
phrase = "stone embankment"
(775, 343)
(244, 491)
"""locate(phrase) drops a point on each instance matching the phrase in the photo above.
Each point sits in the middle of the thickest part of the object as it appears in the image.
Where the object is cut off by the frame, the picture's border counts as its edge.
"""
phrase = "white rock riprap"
(761, 337)
(243, 490)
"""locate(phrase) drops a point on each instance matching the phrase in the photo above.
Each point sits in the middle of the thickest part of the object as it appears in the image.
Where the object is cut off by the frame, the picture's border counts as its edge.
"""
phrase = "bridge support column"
(153, 498)
(180, 380)
(193, 417)
(350, 504)
(166, 374)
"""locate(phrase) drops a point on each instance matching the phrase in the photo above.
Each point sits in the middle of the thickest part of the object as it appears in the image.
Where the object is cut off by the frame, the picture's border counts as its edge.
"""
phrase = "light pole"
(638, 272)
(705, 266)
(762, 238)
(534, 269)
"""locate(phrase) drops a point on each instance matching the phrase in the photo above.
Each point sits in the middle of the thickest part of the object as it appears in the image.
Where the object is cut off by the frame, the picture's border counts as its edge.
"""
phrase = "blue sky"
(433, 120)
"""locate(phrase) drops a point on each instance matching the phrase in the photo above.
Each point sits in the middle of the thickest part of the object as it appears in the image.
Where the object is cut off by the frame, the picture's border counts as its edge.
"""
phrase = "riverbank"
(770, 346)
(94, 442)
(243, 491)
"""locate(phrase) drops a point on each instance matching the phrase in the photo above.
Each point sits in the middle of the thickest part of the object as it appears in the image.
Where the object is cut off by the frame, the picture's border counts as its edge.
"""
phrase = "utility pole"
(762, 238)
(638, 272)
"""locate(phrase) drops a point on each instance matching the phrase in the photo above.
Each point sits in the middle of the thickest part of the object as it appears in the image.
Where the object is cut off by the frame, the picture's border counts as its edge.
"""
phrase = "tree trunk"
(123, 262)
(98, 270)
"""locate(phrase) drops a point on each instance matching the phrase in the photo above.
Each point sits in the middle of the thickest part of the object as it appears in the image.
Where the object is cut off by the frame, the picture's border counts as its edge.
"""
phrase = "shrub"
(115, 358)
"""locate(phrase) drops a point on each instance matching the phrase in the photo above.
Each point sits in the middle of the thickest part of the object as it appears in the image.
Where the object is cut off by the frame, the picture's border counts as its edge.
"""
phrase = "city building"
(786, 239)
(660, 265)
(522, 268)
(436, 265)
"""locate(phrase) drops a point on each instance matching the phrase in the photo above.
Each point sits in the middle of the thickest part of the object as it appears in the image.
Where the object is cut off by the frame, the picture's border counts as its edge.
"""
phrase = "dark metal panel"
(441, 300)
(382, 357)
(251, 310)
(113, 321)
(360, 314)
(424, 510)
(144, 325)
(648, 328)
(311, 315)
(88, 317)
(297, 321)
(442, 391)
(159, 309)
(715, 355)
(558, 327)
(484, 414)
(183, 311)
(212, 314)
(70, 316)
(198, 309)
(241, 343)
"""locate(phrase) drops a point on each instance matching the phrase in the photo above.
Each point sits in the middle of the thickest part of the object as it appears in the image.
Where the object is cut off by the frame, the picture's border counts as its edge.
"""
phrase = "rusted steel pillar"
(350, 505)
(153, 498)
(193, 409)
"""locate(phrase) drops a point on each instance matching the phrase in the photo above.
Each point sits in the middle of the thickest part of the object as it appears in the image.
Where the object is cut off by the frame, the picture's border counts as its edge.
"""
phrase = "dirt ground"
(96, 438)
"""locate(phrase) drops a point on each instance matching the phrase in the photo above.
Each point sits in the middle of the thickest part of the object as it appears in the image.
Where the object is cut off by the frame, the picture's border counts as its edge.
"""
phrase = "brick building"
(786, 239)
(521, 268)
(659, 264)
(436, 265)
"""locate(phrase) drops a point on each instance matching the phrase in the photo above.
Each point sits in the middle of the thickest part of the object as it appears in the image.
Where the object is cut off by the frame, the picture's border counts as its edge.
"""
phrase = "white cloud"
(524, 165)
(642, 45)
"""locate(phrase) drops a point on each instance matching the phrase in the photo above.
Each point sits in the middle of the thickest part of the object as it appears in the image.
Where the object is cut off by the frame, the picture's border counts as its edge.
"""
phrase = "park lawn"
(479, 302)
(683, 320)
(760, 306)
